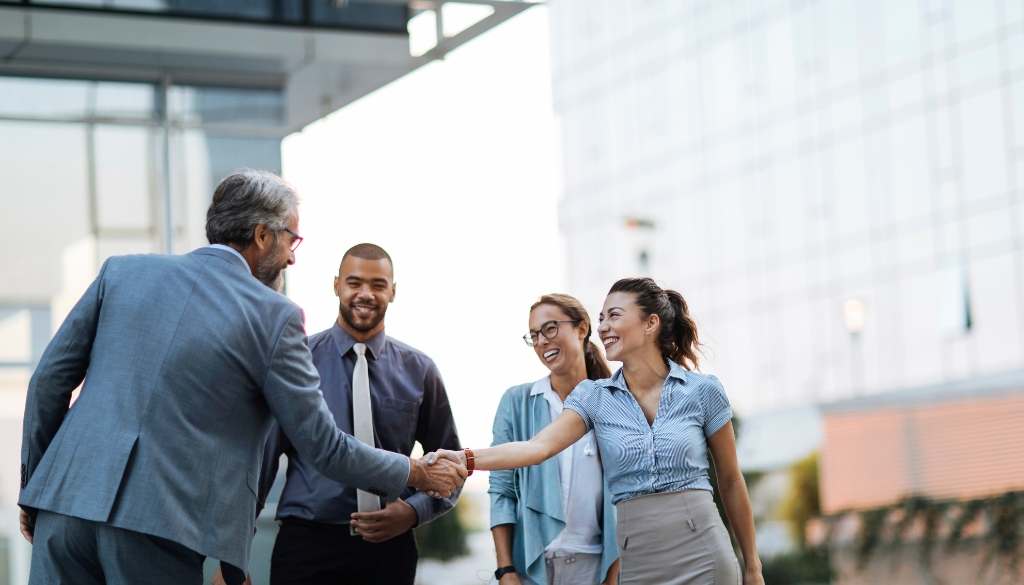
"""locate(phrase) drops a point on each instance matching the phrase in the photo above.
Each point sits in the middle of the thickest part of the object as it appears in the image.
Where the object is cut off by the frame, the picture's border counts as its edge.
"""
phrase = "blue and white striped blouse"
(668, 456)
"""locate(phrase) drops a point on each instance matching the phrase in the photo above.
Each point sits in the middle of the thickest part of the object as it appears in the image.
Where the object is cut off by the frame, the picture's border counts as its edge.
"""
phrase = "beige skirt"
(674, 538)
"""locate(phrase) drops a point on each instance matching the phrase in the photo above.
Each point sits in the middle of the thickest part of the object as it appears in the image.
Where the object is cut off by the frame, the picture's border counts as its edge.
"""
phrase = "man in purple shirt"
(323, 537)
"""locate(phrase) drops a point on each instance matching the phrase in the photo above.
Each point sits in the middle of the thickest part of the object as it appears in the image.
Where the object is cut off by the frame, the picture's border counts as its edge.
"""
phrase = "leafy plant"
(802, 501)
(443, 539)
(1004, 515)
(809, 565)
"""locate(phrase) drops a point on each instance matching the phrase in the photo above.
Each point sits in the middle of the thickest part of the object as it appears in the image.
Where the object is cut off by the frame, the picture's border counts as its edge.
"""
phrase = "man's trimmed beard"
(268, 270)
(350, 318)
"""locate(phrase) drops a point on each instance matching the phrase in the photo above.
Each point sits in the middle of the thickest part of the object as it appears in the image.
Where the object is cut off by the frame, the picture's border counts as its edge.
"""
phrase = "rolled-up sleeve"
(504, 498)
(715, 403)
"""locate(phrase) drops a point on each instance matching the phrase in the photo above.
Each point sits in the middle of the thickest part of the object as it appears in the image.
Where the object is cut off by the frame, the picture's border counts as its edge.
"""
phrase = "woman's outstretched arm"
(736, 500)
(550, 441)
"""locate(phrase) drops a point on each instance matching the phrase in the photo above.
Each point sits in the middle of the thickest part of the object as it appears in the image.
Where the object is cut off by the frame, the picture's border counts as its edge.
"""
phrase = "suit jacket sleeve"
(292, 391)
(277, 445)
(61, 369)
(435, 430)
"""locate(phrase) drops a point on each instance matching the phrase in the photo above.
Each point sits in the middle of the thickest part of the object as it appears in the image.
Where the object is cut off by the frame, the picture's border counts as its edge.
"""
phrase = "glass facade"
(355, 15)
(788, 157)
(86, 165)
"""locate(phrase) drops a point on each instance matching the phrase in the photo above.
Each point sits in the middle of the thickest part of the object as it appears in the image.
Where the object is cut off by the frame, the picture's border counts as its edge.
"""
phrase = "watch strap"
(502, 571)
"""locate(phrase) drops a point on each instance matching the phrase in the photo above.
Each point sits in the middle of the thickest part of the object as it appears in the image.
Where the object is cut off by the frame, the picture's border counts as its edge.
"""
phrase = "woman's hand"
(456, 456)
(613, 574)
(510, 579)
(753, 577)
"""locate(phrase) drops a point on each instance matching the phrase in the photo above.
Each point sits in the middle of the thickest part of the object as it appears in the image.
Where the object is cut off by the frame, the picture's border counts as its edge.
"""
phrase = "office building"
(834, 185)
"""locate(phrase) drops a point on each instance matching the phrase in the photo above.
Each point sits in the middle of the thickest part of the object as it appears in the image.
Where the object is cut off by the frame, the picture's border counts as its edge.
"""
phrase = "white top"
(235, 252)
(579, 469)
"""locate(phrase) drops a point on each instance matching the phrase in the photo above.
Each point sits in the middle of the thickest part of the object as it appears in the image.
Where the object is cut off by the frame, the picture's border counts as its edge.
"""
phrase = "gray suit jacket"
(187, 360)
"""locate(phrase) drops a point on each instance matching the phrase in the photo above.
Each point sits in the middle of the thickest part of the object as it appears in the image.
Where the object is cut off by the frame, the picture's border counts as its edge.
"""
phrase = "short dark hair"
(367, 252)
(245, 199)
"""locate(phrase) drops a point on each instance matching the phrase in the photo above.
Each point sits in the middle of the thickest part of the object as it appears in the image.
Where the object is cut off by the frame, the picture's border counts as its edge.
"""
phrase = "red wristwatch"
(470, 461)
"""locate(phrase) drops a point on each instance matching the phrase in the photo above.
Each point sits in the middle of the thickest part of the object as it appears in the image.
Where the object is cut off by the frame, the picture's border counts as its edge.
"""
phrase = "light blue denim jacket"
(530, 497)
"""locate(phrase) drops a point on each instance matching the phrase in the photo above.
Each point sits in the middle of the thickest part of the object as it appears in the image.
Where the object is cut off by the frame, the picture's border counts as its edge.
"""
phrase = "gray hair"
(245, 199)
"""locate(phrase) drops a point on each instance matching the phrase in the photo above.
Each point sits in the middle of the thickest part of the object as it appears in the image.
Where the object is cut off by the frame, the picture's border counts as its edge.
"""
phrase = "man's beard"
(269, 271)
(349, 317)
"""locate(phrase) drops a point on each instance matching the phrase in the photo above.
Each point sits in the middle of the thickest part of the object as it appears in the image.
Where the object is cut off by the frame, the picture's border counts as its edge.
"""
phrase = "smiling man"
(331, 532)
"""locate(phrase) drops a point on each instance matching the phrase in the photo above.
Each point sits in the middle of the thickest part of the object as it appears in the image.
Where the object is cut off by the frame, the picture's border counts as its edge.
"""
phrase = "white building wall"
(794, 156)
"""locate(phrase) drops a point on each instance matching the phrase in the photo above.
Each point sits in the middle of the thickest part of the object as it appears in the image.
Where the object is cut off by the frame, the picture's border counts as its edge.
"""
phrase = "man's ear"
(262, 237)
(337, 281)
(394, 291)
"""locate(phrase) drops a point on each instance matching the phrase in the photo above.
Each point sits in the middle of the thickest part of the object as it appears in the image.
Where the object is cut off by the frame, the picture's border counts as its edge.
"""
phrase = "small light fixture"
(854, 315)
(634, 223)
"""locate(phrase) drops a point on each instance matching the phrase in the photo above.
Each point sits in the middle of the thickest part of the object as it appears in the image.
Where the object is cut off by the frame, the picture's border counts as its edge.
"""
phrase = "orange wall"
(960, 450)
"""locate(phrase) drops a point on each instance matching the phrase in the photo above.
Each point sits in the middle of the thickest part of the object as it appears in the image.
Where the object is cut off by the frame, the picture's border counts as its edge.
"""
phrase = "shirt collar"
(540, 385)
(618, 379)
(235, 252)
(345, 341)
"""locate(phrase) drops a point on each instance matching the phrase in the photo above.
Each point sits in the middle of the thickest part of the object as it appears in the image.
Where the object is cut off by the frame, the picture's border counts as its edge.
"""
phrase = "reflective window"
(83, 169)
(317, 13)
(204, 105)
(24, 333)
(63, 99)
(42, 98)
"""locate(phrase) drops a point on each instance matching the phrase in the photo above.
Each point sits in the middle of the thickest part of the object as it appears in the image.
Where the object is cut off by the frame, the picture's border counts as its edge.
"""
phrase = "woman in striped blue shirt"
(656, 421)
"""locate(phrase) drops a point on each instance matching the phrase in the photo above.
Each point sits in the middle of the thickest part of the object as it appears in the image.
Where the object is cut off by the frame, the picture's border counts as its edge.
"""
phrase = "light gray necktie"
(362, 418)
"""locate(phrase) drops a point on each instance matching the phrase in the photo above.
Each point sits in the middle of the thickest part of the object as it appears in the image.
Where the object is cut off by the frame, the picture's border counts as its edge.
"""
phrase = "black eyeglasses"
(296, 241)
(549, 330)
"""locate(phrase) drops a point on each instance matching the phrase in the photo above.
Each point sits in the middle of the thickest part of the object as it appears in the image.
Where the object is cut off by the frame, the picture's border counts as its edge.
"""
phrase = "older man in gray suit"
(186, 362)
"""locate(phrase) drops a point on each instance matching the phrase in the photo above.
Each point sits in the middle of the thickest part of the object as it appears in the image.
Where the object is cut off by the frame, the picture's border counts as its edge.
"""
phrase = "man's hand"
(28, 528)
(218, 578)
(396, 518)
(439, 479)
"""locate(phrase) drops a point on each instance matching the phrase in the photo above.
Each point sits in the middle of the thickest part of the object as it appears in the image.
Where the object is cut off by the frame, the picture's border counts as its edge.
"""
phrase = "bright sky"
(455, 170)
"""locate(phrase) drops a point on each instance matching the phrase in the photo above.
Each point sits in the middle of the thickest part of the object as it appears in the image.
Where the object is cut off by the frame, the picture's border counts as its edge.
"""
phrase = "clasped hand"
(445, 457)
(436, 478)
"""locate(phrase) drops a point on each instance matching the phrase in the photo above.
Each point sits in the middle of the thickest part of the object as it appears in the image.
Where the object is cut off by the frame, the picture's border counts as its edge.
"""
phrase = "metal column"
(165, 171)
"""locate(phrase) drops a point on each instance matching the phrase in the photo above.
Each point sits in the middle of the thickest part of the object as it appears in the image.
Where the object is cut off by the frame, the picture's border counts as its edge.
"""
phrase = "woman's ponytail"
(597, 367)
(677, 336)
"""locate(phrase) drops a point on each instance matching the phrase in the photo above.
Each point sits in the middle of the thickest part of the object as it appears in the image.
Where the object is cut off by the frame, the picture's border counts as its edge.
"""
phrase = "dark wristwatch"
(502, 571)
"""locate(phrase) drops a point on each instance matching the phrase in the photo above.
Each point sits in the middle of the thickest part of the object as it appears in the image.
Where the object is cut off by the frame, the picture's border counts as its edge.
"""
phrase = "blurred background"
(834, 185)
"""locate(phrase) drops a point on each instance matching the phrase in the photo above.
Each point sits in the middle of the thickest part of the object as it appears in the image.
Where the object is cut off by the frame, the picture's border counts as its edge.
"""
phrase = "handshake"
(440, 473)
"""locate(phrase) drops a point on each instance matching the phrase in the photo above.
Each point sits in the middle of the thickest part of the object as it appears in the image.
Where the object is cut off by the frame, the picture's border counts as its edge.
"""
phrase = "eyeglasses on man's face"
(298, 239)
(549, 330)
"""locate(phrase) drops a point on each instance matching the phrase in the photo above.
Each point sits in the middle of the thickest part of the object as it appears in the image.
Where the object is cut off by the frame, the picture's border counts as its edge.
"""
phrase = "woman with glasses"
(541, 534)
(657, 420)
